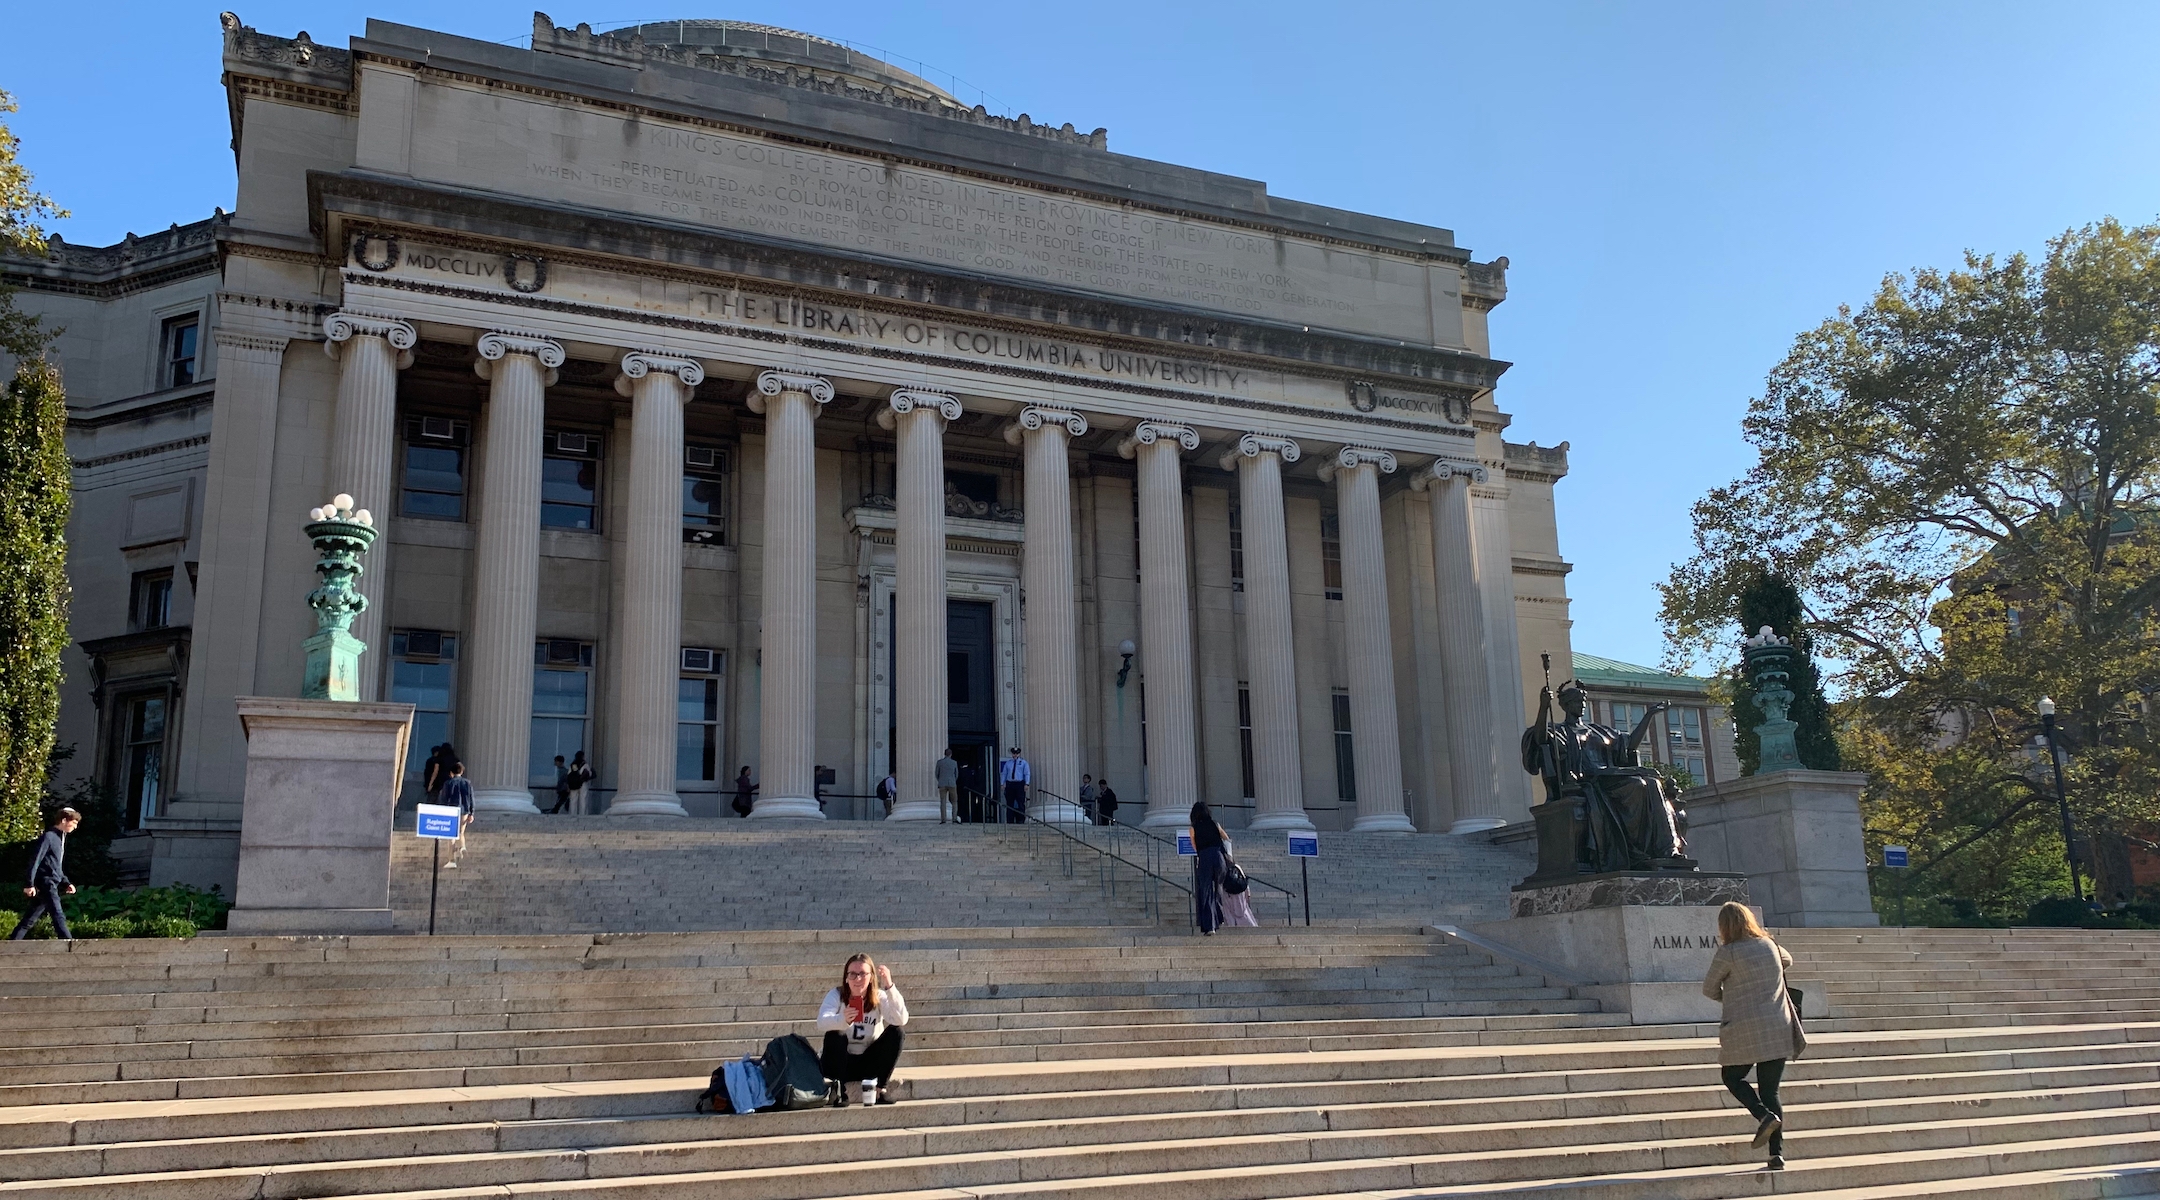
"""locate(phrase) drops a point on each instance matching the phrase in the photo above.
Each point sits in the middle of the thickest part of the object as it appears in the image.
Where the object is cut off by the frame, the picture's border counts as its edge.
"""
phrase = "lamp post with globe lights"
(341, 534)
(2062, 795)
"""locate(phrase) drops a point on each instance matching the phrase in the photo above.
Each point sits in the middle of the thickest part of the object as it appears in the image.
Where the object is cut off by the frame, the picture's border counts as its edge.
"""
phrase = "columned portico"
(519, 368)
(1166, 656)
(1052, 730)
(1370, 657)
(371, 348)
(658, 385)
(1270, 659)
(787, 680)
(1466, 690)
(918, 418)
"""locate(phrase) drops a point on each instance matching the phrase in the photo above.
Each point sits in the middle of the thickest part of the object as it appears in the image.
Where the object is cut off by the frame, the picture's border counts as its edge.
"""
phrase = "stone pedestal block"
(1796, 836)
(322, 781)
(1616, 889)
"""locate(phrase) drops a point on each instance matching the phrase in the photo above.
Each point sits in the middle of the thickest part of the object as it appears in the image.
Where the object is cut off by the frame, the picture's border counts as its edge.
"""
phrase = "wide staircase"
(1340, 1060)
(562, 874)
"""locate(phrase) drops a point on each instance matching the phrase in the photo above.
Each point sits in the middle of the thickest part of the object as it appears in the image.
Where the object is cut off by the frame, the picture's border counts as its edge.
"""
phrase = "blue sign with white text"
(1895, 856)
(1304, 845)
(436, 821)
(1184, 844)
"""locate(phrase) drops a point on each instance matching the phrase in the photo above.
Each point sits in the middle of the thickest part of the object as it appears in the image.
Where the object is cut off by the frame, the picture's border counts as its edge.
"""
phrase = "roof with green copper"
(1611, 672)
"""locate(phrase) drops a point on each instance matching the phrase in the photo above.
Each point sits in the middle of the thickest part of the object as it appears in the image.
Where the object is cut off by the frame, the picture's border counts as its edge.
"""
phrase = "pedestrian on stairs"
(1013, 775)
(1208, 840)
(48, 878)
(745, 792)
(1105, 803)
(457, 790)
(581, 777)
(1760, 1028)
(887, 789)
(861, 1021)
(562, 785)
(947, 774)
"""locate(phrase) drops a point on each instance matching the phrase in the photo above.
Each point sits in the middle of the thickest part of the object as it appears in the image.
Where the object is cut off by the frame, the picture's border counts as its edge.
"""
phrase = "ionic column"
(506, 578)
(371, 349)
(648, 660)
(1464, 686)
(1270, 661)
(787, 681)
(1166, 656)
(1374, 739)
(1503, 653)
(1052, 729)
(919, 699)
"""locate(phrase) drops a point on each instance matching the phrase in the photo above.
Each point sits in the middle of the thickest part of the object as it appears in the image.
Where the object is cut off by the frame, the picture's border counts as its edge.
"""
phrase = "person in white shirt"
(861, 1021)
(1013, 774)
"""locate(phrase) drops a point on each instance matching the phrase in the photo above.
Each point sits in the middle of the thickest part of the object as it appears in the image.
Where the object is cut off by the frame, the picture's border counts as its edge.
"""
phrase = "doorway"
(971, 697)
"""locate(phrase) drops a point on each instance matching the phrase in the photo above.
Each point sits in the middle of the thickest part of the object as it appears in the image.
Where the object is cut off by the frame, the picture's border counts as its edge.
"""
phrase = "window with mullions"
(1345, 756)
(570, 483)
(1244, 736)
(1331, 555)
(150, 600)
(697, 716)
(423, 673)
(177, 349)
(142, 757)
(436, 453)
(1625, 716)
(561, 705)
(704, 495)
(1684, 734)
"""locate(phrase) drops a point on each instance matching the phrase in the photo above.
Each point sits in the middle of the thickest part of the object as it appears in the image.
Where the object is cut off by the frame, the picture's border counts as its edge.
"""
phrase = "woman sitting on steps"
(861, 1021)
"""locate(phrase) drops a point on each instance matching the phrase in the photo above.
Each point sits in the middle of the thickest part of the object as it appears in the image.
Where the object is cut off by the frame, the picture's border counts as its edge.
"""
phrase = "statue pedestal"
(322, 778)
(1637, 942)
(1796, 835)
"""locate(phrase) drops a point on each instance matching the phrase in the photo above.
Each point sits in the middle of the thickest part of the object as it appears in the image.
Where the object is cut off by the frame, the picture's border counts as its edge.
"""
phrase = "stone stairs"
(562, 874)
(1344, 1060)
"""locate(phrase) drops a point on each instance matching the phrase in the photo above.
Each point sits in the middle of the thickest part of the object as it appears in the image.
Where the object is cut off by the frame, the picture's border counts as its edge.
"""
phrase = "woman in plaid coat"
(1760, 1030)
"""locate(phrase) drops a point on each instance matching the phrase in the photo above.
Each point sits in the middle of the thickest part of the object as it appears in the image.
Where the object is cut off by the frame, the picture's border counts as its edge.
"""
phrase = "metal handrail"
(1287, 894)
(1151, 879)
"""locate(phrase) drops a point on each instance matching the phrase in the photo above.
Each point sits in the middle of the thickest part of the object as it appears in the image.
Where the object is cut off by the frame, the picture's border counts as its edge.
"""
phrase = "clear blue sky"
(1680, 188)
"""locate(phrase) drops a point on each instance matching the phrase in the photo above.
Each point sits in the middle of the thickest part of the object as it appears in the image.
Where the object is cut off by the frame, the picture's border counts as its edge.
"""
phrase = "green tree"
(1962, 480)
(21, 208)
(1769, 599)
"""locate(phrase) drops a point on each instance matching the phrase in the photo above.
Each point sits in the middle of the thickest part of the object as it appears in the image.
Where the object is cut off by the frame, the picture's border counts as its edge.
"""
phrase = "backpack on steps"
(792, 1076)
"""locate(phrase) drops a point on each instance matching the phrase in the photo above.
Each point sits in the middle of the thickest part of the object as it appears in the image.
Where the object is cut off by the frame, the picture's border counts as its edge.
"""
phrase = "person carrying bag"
(1760, 1028)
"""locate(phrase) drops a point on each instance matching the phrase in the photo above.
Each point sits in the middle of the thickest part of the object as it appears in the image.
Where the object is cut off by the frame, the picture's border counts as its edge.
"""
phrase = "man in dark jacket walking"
(48, 878)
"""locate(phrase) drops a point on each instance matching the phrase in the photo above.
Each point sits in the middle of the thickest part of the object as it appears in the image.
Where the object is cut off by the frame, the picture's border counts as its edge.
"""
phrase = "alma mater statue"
(1624, 816)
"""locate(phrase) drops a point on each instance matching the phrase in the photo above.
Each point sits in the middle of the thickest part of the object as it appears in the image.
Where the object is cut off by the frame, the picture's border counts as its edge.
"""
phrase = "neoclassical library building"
(727, 398)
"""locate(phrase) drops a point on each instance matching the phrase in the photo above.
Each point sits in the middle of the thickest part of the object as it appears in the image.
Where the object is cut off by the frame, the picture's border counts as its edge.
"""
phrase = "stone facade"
(895, 347)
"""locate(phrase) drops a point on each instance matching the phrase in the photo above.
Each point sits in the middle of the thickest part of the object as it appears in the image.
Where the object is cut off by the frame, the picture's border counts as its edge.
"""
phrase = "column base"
(504, 800)
(1469, 825)
(647, 804)
(1383, 823)
(1159, 818)
(1060, 812)
(913, 810)
(1286, 818)
(801, 808)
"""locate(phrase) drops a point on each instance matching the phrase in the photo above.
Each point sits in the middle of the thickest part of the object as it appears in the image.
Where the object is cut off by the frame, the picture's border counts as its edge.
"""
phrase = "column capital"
(1253, 445)
(906, 400)
(638, 364)
(1349, 458)
(1443, 469)
(1147, 433)
(496, 345)
(779, 383)
(1035, 417)
(346, 324)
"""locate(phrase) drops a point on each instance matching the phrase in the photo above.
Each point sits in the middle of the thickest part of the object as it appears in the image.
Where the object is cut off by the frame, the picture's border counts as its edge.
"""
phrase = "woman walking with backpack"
(861, 1021)
(1761, 1027)
(1208, 840)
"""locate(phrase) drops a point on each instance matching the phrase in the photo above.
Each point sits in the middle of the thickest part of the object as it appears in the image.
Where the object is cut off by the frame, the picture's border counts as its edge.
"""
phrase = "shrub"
(103, 927)
(164, 927)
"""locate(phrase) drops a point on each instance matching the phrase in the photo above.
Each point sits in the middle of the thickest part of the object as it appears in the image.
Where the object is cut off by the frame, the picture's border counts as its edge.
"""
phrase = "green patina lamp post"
(341, 535)
(1768, 658)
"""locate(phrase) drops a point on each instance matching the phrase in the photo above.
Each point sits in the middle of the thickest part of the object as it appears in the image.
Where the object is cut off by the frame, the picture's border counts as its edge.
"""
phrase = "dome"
(782, 47)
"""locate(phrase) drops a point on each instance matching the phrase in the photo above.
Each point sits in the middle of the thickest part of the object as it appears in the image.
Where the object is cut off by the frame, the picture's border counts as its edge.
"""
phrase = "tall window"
(176, 359)
(1345, 758)
(562, 704)
(1625, 716)
(1331, 555)
(704, 497)
(1244, 736)
(697, 716)
(142, 757)
(1237, 557)
(423, 673)
(1685, 730)
(436, 449)
(150, 600)
(570, 481)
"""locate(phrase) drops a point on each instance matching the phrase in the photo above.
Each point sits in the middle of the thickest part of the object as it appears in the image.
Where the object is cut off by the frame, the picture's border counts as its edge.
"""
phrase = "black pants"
(47, 903)
(1207, 880)
(1768, 1074)
(1015, 801)
(875, 1062)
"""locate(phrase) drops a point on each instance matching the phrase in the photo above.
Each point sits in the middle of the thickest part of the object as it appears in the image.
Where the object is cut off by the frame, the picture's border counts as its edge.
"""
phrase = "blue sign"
(436, 821)
(1304, 845)
(1184, 844)
(1895, 856)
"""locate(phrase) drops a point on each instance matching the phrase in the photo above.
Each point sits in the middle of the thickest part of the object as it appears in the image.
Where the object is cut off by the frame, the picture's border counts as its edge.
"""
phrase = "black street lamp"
(2062, 797)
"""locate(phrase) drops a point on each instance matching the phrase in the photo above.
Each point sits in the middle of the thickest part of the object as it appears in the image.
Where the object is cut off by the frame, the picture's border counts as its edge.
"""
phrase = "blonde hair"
(1736, 921)
(871, 997)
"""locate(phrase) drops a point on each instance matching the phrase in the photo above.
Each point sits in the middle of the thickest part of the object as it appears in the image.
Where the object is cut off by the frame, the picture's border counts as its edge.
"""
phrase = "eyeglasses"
(858, 974)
